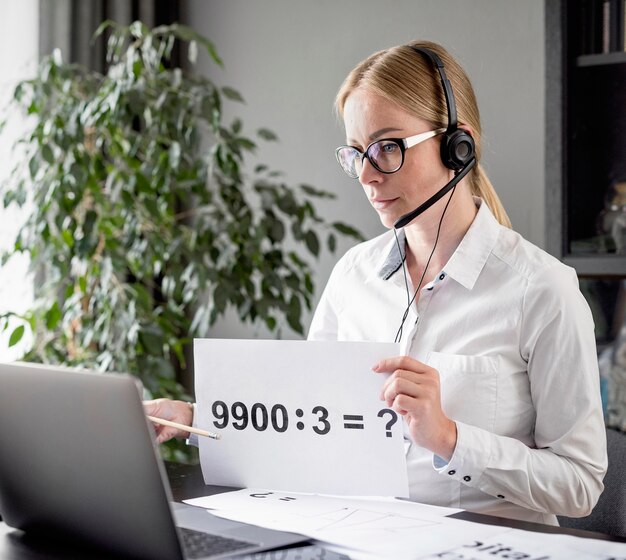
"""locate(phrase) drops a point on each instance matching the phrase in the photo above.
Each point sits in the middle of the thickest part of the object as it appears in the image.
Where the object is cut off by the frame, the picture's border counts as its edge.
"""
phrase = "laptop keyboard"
(202, 545)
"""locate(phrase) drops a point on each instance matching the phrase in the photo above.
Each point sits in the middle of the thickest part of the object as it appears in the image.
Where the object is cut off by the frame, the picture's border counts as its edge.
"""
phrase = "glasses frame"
(403, 143)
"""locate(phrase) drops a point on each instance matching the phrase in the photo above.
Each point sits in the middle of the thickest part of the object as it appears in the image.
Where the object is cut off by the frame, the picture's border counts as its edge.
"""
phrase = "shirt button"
(500, 496)
(442, 276)
(467, 478)
(452, 472)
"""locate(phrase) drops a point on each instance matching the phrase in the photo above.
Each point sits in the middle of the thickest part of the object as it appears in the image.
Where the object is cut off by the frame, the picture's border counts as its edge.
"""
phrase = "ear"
(467, 129)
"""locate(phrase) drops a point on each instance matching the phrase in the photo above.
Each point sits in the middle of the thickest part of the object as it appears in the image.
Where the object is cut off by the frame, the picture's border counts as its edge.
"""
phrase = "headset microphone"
(410, 216)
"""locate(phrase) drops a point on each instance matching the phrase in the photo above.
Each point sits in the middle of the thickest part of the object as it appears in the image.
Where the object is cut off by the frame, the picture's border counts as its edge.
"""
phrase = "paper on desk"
(298, 415)
(386, 528)
(396, 529)
(306, 504)
(515, 543)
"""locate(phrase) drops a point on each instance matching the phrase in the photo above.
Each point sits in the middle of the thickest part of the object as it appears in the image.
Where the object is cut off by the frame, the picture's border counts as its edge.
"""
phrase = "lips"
(382, 203)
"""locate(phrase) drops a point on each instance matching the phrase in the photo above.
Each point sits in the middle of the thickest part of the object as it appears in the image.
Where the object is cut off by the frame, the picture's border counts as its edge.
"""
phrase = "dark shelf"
(585, 136)
(601, 59)
(585, 152)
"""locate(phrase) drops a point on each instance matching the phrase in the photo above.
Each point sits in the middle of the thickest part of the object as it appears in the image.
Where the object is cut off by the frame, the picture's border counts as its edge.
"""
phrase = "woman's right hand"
(174, 411)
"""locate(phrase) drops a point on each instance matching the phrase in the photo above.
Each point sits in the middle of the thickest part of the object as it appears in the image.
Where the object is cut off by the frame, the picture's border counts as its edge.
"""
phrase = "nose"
(369, 174)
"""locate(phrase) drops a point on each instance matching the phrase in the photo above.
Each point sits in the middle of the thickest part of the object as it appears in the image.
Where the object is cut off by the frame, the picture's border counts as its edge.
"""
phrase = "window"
(18, 59)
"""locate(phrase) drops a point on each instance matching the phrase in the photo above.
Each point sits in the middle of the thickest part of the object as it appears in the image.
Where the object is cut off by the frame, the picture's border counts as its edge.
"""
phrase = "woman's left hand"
(413, 391)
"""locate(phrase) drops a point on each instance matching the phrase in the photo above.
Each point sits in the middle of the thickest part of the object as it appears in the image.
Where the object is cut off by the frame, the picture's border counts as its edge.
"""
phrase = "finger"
(162, 437)
(403, 405)
(150, 407)
(160, 408)
(407, 375)
(400, 386)
(168, 433)
(388, 365)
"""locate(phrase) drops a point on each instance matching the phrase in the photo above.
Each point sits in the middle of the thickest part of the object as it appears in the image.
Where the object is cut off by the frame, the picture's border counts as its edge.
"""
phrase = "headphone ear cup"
(457, 148)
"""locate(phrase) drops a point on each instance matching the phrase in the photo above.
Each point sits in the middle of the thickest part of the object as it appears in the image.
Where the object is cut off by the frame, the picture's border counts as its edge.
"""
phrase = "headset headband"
(447, 87)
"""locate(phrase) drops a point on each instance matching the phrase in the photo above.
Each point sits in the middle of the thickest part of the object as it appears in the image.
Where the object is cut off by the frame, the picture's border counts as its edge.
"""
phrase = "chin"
(387, 221)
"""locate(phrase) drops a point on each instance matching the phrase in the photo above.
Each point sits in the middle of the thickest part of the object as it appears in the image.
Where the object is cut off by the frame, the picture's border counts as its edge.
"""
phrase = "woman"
(497, 377)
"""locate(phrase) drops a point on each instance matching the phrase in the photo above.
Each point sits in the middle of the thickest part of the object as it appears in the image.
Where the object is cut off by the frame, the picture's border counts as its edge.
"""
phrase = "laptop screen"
(78, 459)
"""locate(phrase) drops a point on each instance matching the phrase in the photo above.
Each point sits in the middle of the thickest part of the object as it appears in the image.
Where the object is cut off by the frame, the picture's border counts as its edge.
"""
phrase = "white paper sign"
(298, 415)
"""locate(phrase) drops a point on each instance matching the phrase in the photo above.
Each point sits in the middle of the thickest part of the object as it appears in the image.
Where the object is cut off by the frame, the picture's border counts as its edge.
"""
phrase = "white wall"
(288, 58)
(18, 61)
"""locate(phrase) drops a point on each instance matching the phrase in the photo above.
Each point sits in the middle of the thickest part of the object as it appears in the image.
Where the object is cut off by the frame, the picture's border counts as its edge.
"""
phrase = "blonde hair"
(398, 74)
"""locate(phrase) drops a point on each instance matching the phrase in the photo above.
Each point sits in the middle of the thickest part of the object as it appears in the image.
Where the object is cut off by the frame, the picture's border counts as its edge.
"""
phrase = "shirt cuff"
(470, 457)
(193, 438)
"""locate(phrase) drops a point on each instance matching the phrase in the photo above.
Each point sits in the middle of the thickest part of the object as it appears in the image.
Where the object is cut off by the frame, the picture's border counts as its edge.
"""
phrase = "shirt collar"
(469, 258)
(468, 261)
(394, 258)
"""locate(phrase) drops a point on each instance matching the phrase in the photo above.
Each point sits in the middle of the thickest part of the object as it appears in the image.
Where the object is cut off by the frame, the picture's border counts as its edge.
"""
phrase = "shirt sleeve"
(563, 473)
(325, 322)
(193, 438)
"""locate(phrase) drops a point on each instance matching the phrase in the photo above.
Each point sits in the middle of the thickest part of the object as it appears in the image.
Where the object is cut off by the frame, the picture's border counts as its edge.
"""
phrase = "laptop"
(78, 459)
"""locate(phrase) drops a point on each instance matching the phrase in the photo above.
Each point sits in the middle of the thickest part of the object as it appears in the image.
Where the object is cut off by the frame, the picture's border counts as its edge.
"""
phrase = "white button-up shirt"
(512, 338)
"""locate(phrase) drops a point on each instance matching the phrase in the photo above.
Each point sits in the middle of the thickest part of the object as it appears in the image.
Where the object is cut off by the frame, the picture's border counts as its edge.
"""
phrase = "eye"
(389, 147)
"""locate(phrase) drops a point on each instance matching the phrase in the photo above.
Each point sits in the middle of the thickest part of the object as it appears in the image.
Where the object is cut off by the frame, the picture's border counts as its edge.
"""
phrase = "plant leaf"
(312, 242)
(267, 134)
(232, 94)
(16, 335)
(345, 229)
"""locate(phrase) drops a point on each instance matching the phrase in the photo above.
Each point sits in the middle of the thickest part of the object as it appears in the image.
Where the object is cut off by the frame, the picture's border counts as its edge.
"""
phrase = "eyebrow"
(374, 135)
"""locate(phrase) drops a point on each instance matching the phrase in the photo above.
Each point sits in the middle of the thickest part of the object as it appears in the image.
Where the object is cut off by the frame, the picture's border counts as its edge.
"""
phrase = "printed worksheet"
(382, 528)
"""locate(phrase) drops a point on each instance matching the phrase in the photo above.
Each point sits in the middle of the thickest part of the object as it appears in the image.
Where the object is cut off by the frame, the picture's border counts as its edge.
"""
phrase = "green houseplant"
(145, 226)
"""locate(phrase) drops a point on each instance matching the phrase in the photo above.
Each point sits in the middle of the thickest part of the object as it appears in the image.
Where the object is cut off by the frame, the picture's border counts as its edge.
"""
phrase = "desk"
(186, 482)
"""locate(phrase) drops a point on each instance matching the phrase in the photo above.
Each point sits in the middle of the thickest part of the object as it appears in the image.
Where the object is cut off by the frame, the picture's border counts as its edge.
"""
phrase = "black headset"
(457, 146)
(458, 151)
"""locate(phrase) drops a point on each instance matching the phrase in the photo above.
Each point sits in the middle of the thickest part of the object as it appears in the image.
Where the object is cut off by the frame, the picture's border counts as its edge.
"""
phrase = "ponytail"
(481, 186)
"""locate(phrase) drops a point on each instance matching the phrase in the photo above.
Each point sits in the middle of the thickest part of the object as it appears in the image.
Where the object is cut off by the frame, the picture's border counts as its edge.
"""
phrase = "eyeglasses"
(386, 155)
